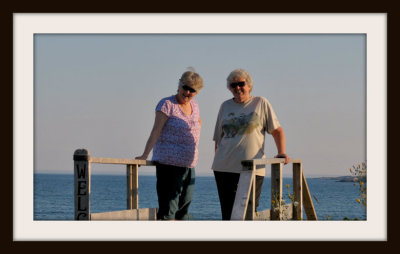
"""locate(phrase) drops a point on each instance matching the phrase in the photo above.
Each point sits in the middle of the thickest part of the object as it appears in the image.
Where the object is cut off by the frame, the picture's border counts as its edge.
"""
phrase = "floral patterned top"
(179, 138)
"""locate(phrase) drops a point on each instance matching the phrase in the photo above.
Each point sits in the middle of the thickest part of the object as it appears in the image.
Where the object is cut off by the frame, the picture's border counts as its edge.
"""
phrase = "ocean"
(54, 197)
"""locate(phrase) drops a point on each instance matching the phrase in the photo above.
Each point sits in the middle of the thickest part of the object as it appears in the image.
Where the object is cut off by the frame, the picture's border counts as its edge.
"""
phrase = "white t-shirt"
(240, 133)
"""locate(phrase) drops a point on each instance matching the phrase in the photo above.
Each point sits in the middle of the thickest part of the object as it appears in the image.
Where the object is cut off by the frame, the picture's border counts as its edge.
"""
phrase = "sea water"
(54, 197)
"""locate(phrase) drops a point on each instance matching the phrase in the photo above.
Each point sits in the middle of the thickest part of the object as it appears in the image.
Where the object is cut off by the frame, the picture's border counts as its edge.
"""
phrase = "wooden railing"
(246, 191)
(82, 183)
(241, 210)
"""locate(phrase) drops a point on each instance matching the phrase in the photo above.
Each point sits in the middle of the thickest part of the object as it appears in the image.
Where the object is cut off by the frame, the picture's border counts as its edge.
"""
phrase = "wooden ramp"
(279, 211)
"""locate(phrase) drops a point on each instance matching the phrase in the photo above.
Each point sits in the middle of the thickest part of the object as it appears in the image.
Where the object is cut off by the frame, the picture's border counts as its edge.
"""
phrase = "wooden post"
(297, 191)
(132, 184)
(276, 191)
(82, 184)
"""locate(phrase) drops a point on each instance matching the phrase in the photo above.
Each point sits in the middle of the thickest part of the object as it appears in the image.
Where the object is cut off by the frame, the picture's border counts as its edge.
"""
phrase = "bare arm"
(159, 122)
(280, 141)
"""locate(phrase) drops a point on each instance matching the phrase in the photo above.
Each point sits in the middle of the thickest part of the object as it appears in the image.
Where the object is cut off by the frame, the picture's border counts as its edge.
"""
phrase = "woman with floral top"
(174, 140)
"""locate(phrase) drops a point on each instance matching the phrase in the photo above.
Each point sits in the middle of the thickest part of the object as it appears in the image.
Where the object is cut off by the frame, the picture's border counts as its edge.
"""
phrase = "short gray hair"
(191, 79)
(239, 73)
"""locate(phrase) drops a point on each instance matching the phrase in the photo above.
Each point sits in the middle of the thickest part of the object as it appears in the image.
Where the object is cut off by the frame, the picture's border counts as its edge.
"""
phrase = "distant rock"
(345, 179)
(341, 178)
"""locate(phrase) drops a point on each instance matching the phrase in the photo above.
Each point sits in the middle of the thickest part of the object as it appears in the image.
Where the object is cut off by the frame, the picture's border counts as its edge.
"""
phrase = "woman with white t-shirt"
(174, 140)
(239, 135)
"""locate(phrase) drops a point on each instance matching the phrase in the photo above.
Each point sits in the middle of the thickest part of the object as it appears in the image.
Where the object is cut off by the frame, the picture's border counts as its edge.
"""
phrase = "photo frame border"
(175, 225)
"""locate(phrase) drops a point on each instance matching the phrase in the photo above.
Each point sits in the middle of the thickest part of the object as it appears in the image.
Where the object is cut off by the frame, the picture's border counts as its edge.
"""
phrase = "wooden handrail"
(82, 183)
(246, 190)
(121, 161)
(255, 162)
(246, 186)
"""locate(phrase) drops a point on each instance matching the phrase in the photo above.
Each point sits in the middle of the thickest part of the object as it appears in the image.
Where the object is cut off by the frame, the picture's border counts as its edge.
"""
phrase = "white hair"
(239, 73)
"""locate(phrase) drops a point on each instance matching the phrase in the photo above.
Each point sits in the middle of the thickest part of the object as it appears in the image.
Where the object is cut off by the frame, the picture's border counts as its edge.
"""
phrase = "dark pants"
(227, 184)
(175, 186)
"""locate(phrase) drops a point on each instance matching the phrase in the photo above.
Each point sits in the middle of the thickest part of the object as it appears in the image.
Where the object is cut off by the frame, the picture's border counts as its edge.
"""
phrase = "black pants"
(227, 184)
(175, 186)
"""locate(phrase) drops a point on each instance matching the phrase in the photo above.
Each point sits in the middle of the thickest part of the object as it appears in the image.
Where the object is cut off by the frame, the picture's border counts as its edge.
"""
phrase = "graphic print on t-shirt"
(239, 125)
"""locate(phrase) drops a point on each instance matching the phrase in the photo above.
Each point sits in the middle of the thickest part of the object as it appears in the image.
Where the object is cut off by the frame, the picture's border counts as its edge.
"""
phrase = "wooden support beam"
(297, 191)
(308, 204)
(132, 186)
(242, 195)
(276, 191)
(251, 206)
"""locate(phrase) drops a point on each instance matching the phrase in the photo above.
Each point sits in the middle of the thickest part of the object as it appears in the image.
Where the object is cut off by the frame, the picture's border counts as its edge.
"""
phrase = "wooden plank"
(242, 195)
(307, 201)
(135, 186)
(251, 209)
(82, 184)
(297, 191)
(132, 187)
(121, 161)
(249, 163)
(129, 201)
(276, 191)
(132, 214)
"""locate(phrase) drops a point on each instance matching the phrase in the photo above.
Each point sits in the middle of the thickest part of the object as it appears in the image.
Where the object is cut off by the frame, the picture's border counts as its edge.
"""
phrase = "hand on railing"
(287, 159)
(141, 157)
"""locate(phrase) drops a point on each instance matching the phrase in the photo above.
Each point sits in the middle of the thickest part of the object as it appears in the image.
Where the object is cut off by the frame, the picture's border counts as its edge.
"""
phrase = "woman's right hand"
(141, 157)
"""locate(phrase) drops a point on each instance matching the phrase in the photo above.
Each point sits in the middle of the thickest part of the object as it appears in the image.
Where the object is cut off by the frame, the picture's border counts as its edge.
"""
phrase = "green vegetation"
(359, 173)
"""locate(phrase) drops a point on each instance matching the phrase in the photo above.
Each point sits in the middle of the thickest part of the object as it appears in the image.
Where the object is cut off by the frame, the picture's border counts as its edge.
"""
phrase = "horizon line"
(153, 174)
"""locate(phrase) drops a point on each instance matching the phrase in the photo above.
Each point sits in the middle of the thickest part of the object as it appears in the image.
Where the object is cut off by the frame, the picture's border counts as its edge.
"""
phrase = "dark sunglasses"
(187, 88)
(240, 84)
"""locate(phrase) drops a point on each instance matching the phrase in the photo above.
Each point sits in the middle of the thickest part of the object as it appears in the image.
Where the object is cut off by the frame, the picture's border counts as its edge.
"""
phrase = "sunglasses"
(187, 88)
(240, 84)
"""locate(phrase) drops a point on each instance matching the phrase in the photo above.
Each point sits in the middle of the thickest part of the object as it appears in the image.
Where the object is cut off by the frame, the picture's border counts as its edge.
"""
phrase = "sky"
(99, 92)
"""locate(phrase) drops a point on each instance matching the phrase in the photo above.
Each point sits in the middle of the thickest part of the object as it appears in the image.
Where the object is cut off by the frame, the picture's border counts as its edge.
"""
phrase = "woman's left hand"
(287, 159)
